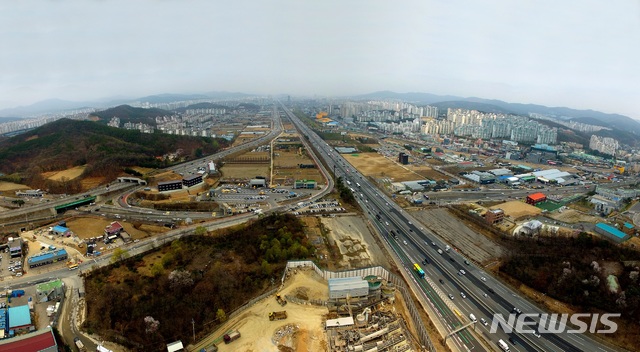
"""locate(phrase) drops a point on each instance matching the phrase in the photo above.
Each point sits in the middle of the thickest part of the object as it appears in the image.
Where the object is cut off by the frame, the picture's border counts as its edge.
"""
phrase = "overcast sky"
(581, 54)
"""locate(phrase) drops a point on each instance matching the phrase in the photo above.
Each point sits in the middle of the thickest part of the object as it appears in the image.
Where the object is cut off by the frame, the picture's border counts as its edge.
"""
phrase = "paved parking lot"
(10, 267)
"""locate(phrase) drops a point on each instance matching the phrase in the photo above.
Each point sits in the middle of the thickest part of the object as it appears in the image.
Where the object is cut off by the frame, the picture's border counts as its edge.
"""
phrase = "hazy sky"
(580, 54)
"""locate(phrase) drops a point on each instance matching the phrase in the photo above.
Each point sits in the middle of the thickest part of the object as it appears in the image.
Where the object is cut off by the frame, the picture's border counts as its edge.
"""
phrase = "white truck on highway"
(503, 345)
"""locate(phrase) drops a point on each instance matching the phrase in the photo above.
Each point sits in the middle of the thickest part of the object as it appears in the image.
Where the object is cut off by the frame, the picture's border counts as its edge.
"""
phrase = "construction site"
(364, 317)
(354, 313)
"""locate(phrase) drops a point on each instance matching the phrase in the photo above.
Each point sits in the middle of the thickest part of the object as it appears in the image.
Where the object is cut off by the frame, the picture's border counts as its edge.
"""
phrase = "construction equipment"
(281, 301)
(278, 315)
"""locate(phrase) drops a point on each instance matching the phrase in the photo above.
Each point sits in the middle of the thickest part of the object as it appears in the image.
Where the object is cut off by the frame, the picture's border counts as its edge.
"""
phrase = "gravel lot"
(475, 246)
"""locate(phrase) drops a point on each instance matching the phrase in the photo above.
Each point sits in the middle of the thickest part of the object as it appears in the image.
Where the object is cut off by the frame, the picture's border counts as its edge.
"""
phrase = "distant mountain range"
(615, 121)
(59, 105)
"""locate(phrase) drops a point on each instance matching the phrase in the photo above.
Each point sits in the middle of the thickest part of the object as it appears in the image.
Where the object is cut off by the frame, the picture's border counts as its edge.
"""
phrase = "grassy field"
(10, 186)
(68, 174)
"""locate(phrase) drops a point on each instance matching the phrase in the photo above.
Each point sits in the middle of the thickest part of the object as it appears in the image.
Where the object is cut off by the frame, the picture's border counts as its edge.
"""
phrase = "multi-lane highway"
(483, 295)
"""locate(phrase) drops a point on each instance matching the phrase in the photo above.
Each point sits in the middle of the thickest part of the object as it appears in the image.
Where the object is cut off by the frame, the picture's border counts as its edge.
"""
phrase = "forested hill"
(105, 150)
(128, 113)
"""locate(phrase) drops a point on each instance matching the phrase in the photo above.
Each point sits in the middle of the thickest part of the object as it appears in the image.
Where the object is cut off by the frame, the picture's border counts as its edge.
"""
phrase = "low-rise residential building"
(169, 185)
(50, 291)
(191, 180)
(494, 216)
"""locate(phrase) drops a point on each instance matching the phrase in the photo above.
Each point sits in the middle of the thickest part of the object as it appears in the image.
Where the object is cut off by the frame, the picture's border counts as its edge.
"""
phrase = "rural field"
(10, 186)
(68, 174)
(242, 171)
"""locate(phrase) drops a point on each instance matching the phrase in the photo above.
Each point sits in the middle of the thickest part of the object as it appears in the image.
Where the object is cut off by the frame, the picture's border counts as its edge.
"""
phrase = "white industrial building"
(348, 286)
(546, 176)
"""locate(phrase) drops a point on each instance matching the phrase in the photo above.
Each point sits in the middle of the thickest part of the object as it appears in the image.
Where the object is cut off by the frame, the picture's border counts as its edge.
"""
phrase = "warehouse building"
(257, 182)
(37, 341)
(611, 232)
(169, 185)
(19, 319)
(348, 286)
(48, 257)
(192, 180)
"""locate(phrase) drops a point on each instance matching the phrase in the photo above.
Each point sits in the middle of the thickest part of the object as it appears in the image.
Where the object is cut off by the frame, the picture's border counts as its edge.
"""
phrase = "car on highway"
(483, 278)
(451, 296)
(433, 244)
(463, 295)
(405, 242)
(441, 281)
(462, 272)
(536, 333)
(467, 262)
(491, 291)
(484, 321)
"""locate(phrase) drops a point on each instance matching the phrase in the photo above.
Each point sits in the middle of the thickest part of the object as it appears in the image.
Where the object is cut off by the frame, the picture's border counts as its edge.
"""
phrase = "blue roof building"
(59, 230)
(19, 317)
(3, 322)
(611, 232)
(47, 258)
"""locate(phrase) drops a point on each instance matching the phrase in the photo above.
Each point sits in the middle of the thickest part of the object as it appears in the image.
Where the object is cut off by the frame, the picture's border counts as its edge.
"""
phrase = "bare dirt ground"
(68, 174)
(572, 216)
(375, 165)
(517, 210)
(472, 244)
(301, 331)
(355, 242)
(10, 186)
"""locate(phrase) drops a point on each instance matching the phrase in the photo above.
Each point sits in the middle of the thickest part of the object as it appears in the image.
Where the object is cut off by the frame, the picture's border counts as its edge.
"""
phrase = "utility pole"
(193, 323)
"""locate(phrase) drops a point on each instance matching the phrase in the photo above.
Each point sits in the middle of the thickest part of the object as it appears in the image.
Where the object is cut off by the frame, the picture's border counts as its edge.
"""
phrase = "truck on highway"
(230, 337)
(278, 315)
(79, 344)
(503, 345)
